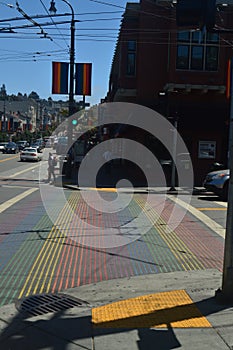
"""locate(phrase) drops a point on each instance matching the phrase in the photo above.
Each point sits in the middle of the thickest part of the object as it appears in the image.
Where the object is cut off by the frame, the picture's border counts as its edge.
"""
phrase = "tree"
(34, 96)
(3, 92)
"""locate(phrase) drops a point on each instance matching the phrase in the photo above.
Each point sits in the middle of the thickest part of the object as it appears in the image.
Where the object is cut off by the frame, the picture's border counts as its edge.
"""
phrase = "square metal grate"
(40, 304)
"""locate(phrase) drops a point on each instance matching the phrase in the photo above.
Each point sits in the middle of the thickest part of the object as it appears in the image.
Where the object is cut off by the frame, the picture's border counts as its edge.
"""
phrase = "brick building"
(178, 72)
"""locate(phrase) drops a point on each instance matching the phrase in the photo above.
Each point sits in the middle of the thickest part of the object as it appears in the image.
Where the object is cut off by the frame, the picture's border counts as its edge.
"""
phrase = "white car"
(2, 146)
(30, 153)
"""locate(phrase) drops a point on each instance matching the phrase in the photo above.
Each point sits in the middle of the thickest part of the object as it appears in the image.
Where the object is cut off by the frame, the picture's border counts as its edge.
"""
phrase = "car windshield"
(32, 150)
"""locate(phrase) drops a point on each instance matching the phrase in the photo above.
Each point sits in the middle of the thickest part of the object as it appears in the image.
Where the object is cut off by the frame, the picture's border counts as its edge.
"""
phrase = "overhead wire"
(32, 21)
(90, 37)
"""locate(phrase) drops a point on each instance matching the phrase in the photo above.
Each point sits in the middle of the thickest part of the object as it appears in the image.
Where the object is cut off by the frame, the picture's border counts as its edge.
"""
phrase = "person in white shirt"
(51, 166)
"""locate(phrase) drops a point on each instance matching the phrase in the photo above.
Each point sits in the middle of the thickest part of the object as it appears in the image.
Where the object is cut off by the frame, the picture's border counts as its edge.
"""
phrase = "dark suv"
(11, 147)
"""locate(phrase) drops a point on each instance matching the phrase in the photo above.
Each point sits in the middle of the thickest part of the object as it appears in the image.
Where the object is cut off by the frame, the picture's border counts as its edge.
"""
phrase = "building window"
(196, 51)
(131, 57)
(197, 57)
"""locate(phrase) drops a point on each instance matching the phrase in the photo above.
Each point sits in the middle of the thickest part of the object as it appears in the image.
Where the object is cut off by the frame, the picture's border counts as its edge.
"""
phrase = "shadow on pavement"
(165, 338)
(57, 330)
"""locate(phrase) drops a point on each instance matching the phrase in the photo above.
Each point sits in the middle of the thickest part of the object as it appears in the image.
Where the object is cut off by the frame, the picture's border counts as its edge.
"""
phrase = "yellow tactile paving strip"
(174, 308)
(104, 189)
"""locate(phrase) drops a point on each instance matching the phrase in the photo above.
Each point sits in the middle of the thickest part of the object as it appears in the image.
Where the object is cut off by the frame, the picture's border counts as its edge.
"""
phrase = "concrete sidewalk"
(163, 311)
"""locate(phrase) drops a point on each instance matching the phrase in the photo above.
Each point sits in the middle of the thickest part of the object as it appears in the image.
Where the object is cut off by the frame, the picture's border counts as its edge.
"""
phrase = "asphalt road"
(52, 238)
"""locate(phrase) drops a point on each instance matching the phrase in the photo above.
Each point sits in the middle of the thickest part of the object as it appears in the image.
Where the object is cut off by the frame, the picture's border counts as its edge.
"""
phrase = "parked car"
(62, 145)
(37, 145)
(41, 143)
(2, 146)
(22, 144)
(48, 141)
(11, 147)
(55, 141)
(31, 154)
(217, 182)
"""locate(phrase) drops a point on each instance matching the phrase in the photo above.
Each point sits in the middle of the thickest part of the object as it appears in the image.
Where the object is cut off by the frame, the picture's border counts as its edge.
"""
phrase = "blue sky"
(26, 58)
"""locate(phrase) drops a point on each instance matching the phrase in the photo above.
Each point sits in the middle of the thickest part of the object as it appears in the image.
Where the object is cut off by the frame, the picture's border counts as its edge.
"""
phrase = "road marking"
(176, 245)
(205, 209)
(105, 189)
(16, 199)
(224, 204)
(200, 216)
(4, 160)
(23, 171)
(16, 186)
(174, 308)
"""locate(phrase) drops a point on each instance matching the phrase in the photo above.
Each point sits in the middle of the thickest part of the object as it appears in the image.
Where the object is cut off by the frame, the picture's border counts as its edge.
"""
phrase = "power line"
(32, 21)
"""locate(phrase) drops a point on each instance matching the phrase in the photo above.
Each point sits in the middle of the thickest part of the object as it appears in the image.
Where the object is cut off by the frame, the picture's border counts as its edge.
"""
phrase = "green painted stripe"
(18, 265)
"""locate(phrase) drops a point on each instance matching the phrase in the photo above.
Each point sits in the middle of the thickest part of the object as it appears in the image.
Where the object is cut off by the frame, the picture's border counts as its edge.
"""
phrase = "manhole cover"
(40, 304)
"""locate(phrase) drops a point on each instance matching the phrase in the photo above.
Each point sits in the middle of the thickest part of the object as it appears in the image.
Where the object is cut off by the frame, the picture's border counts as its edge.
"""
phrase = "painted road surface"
(37, 256)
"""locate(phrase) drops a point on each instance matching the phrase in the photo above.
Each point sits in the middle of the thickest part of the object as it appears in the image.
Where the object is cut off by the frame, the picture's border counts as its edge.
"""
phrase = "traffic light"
(196, 13)
(74, 122)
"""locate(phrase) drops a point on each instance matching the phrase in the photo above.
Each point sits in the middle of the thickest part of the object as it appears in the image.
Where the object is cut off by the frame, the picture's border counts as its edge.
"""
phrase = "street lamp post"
(173, 171)
(164, 105)
(72, 62)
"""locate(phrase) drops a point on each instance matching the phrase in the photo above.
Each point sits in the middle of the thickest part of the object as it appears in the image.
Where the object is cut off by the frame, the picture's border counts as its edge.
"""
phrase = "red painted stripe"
(63, 273)
(87, 79)
(102, 257)
(228, 82)
(69, 273)
(55, 283)
(207, 248)
(56, 86)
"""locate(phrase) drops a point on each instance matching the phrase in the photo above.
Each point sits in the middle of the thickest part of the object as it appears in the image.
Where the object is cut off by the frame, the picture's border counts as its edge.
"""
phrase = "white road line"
(23, 171)
(224, 204)
(200, 216)
(16, 186)
(16, 199)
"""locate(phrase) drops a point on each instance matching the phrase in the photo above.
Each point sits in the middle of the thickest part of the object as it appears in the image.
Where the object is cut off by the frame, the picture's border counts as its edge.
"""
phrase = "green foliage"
(4, 137)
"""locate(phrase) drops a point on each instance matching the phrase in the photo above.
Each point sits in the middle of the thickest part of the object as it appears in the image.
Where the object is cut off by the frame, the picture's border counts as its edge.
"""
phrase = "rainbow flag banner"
(83, 79)
(60, 77)
(229, 78)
